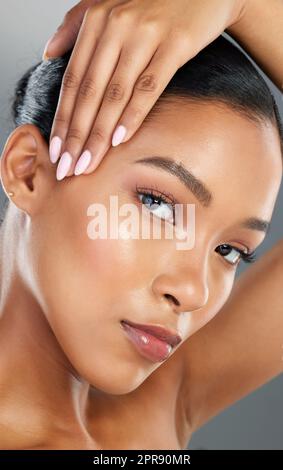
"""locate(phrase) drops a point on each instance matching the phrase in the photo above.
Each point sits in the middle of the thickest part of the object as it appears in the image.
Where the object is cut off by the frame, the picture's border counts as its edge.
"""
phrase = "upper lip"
(170, 336)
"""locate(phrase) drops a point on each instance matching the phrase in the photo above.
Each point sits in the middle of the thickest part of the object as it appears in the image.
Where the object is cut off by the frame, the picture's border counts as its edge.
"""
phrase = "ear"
(26, 169)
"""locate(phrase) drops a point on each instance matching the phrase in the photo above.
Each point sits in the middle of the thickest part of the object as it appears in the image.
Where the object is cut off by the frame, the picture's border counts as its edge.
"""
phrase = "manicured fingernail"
(118, 135)
(63, 165)
(55, 148)
(82, 162)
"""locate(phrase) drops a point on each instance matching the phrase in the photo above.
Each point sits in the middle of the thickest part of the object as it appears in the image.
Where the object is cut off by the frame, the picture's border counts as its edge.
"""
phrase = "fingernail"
(55, 148)
(82, 162)
(51, 41)
(45, 55)
(118, 135)
(63, 165)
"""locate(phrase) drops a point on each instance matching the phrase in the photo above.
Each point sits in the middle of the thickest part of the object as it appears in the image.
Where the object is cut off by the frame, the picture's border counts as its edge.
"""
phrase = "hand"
(124, 57)
(66, 34)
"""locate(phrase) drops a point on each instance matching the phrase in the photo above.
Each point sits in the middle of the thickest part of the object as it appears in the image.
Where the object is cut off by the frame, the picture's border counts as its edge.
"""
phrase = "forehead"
(227, 150)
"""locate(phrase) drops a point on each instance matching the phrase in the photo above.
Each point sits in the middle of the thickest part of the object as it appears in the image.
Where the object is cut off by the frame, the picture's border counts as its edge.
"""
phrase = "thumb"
(65, 36)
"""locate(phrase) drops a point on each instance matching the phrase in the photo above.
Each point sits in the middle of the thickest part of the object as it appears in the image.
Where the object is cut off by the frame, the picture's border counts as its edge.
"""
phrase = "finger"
(90, 94)
(116, 95)
(170, 56)
(65, 36)
(147, 89)
(86, 43)
(75, 70)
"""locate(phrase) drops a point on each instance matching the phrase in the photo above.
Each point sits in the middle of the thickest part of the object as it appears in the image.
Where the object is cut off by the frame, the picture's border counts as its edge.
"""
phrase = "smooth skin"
(123, 58)
(114, 78)
(59, 329)
(69, 375)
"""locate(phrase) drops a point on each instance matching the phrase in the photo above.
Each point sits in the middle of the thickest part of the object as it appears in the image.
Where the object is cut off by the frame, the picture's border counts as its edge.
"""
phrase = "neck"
(37, 382)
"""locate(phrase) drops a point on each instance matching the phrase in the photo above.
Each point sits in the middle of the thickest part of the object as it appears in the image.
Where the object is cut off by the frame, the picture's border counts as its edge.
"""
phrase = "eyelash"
(246, 257)
(168, 198)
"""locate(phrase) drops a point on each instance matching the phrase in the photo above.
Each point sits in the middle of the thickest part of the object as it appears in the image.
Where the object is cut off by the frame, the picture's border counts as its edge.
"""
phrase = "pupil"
(225, 250)
(149, 200)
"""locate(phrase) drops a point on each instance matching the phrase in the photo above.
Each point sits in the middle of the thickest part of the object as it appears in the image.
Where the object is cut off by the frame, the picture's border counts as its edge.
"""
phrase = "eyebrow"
(197, 187)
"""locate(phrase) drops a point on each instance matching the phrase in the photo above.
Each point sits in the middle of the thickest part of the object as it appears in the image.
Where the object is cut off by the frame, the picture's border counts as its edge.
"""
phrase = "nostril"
(172, 299)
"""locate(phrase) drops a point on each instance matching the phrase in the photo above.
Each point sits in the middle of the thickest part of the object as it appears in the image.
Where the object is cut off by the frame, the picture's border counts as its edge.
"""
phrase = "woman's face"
(86, 286)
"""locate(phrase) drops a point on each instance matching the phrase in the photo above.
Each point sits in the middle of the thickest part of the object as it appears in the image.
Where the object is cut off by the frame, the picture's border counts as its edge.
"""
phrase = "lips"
(159, 332)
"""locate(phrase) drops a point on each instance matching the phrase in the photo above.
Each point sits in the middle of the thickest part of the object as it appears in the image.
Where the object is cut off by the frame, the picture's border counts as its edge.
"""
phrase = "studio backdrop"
(254, 422)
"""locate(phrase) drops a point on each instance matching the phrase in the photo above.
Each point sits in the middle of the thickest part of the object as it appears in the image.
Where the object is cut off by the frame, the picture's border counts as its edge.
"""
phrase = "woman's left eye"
(234, 255)
(165, 209)
(158, 205)
(231, 254)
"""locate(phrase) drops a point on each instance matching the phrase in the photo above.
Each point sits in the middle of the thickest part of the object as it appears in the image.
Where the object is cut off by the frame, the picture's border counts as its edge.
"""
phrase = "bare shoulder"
(10, 439)
(16, 436)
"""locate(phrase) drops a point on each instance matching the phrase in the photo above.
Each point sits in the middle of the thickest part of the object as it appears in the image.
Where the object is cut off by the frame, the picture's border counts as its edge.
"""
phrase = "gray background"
(254, 422)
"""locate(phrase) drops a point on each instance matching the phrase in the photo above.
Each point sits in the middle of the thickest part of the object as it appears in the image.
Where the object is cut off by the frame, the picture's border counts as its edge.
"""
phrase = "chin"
(117, 378)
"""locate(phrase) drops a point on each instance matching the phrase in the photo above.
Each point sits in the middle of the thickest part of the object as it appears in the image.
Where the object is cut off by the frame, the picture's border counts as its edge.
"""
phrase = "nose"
(184, 291)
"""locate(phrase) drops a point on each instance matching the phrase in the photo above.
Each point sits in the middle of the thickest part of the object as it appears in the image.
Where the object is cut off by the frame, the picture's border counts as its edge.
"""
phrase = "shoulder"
(13, 439)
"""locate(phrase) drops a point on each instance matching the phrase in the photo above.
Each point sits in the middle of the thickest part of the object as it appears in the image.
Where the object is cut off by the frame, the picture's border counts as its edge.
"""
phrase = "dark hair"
(220, 72)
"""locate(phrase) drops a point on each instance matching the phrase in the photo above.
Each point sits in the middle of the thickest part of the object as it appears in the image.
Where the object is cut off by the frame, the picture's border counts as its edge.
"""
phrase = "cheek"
(86, 311)
(78, 273)
(84, 286)
(219, 291)
(83, 275)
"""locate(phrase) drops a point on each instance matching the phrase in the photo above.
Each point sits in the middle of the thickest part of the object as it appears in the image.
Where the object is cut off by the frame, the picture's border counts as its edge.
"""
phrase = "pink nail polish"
(82, 162)
(55, 148)
(118, 135)
(63, 166)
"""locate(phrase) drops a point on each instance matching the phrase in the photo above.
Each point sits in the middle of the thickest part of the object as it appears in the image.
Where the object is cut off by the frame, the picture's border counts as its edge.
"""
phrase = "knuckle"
(119, 13)
(179, 53)
(147, 82)
(114, 92)
(96, 6)
(60, 119)
(98, 134)
(150, 26)
(69, 15)
(87, 89)
(183, 45)
(179, 38)
(74, 134)
(92, 11)
(70, 80)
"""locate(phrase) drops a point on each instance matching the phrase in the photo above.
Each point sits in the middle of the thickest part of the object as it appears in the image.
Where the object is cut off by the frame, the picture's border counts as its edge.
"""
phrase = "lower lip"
(148, 346)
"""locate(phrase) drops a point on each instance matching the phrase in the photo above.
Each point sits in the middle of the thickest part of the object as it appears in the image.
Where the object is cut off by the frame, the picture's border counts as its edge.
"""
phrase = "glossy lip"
(169, 336)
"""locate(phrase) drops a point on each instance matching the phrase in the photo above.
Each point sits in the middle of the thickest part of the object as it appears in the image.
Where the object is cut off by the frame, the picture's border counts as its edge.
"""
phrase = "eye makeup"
(161, 202)
(163, 197)
(145, 195)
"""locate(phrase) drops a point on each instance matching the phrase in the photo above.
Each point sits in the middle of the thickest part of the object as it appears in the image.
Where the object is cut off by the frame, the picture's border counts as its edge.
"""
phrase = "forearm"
(241, 348)
(260, 32)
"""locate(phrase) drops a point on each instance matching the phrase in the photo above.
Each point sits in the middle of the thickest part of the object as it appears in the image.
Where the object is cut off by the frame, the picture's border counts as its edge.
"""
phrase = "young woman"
(72, 376)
